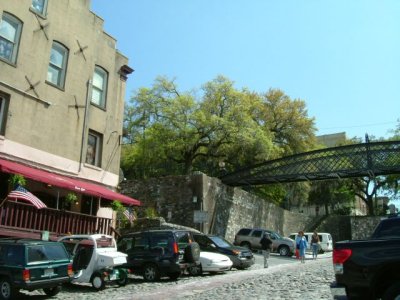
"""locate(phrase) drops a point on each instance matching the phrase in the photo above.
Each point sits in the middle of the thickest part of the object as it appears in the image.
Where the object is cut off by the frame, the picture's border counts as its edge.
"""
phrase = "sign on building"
(200, 216)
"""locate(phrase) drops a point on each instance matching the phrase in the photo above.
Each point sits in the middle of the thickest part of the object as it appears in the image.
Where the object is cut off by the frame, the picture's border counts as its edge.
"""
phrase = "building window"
(57, 65)
(93, 152)
(99, 89)
(3, 114)
(10, 33)
(39, 6)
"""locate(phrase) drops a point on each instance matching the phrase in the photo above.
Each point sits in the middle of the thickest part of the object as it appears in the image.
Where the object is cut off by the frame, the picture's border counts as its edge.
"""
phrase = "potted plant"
(71, 198)
(17, 179)
(117, 206)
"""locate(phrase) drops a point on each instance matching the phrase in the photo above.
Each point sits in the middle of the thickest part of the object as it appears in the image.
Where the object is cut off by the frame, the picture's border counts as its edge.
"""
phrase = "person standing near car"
(297, 240)
(266, 246)
(315, 245)
(303, 244)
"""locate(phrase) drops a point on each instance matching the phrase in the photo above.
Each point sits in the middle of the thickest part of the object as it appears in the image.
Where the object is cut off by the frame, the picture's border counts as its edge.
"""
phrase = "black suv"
(31, 265)
(156, 253)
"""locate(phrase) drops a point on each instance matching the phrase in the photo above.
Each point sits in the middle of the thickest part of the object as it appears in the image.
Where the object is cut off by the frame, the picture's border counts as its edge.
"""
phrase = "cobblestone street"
(291, 280)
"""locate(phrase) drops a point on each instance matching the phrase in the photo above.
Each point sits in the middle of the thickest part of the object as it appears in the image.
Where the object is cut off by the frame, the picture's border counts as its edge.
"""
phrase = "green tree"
(170, 126)
(332, 194)
(293, 130)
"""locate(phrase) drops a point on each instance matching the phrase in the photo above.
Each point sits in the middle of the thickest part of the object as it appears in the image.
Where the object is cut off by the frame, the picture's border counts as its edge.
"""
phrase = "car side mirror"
(213, 246)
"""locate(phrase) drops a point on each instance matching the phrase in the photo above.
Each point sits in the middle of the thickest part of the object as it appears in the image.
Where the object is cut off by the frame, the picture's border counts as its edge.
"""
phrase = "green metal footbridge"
(358, 160)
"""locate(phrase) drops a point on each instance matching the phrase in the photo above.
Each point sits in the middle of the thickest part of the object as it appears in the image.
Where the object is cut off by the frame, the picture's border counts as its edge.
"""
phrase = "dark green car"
(31, 265)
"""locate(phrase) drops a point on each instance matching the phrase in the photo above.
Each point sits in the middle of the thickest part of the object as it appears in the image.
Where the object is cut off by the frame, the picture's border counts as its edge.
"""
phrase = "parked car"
(250, 238)
(96, 260)
(326, 242)
(31, 265)
(156, 253)
(369, 269)
(211, 262)
(242, 258)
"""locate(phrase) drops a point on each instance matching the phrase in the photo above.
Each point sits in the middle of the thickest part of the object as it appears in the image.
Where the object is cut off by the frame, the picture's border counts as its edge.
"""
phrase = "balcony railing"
(21, 216)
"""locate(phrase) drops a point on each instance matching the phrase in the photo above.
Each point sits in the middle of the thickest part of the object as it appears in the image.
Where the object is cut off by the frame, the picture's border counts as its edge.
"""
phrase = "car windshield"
(105, 242)
(39, 253)
(389, 229)
(220, 242)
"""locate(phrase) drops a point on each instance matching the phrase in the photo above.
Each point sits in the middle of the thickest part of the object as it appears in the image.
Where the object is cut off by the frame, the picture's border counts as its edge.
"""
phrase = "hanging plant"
(17, 179)
(117, 206)
(71, 198)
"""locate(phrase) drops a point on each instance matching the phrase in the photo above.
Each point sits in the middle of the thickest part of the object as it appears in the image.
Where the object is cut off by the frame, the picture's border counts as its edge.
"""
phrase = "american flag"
(129, 215)
(21, 193)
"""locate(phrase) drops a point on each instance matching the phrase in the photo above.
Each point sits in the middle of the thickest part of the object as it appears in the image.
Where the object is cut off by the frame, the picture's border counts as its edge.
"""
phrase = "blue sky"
(341, 57)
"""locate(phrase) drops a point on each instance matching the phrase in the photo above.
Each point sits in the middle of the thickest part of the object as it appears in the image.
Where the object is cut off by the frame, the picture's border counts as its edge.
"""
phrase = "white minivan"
(325, 240)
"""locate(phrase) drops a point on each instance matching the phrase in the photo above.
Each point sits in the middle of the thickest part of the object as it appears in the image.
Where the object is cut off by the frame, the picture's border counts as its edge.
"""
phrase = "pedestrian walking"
(302, 243)
(266, 246)
(315, 244)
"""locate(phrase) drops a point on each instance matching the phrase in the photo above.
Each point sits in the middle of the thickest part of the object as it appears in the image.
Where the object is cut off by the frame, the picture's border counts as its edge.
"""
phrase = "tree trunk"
(370, 204)
(188, 166)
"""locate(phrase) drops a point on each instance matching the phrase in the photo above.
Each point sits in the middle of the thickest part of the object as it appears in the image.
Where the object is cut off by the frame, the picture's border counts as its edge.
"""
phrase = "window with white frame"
(57, 65)
(99, 87)
(10, 33)
(3, 114)
(94, 147)
(39, 6)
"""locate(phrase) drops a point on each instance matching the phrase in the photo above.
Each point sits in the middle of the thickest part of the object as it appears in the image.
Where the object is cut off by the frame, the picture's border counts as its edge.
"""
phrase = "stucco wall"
(43, 128)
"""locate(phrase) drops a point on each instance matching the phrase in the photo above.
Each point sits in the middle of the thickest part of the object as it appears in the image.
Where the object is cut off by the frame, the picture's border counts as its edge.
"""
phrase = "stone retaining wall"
(362, 227)
(177, 198)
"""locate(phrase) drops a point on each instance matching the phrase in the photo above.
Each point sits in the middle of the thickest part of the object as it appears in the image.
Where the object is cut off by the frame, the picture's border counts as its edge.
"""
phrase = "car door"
(255, 238)
(136, 247)
(276, 241)
(161, 246)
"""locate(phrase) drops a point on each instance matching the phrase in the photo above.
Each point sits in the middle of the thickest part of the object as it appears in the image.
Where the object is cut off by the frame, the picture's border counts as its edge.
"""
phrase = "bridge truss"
(367, 159)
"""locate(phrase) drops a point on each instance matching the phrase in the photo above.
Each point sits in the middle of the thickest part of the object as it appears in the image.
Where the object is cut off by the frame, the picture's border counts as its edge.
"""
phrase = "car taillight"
(236, 252)
(176, 249)
(26, 275)
(341, 255)
(70, 271)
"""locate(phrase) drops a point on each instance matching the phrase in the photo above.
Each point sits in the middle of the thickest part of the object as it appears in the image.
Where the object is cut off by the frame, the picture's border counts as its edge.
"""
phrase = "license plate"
(113, 277)
(48, 272)
(338, 268)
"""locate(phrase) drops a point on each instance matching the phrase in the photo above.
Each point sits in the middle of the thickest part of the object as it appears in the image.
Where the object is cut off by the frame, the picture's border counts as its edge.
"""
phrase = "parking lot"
(286, 278)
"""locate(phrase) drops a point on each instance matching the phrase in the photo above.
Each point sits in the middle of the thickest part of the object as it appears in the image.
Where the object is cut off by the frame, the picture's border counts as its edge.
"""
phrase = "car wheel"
(284, 251)
(151, 273)
(123, 278)
(393, 292)
(195, 270)
(6, 289)
(246, 245)
(52, 291)
(98, 282)
(174, 276)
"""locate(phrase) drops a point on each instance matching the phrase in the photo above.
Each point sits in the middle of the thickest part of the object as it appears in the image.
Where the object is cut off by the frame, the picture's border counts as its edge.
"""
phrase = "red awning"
(65, 182)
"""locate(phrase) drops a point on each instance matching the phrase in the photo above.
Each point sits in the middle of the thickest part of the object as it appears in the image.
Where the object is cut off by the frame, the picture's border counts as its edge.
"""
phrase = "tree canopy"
(167, 129)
